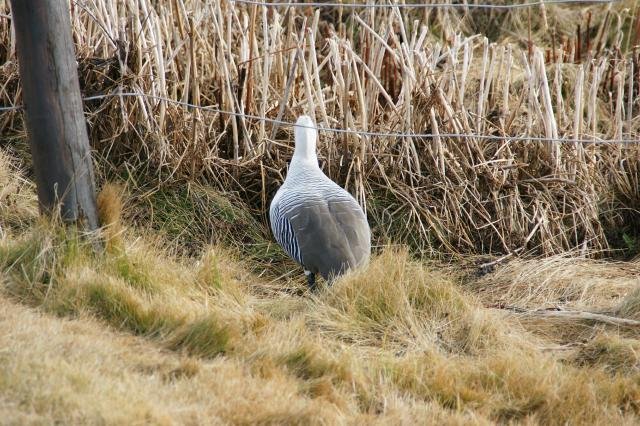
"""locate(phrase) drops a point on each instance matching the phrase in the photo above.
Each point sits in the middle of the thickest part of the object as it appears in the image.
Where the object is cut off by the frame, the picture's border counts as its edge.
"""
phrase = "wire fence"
(424, 5)
(363, 133)
(212, 109)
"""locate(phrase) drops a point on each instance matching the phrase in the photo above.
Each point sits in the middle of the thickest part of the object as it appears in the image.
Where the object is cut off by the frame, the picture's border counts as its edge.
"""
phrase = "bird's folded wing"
(329, 236)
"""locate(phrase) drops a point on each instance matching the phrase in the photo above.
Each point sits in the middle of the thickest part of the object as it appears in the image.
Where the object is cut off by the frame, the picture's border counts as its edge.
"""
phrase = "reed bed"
(552, 72)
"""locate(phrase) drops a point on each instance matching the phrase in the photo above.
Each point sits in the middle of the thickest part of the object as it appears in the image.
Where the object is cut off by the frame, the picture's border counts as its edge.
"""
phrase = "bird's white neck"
(305, 137)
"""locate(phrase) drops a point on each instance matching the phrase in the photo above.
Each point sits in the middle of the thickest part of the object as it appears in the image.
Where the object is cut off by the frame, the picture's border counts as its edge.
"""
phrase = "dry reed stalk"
(580, 316)
(578, 104)
(630, 99)
(315, 71)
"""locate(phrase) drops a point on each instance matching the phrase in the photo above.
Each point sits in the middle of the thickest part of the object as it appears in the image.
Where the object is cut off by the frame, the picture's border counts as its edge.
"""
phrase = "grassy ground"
(156, 331)
(193, 315)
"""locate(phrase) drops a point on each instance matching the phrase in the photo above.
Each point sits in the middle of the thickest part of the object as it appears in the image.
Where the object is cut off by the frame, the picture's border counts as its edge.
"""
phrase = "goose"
(319, 224)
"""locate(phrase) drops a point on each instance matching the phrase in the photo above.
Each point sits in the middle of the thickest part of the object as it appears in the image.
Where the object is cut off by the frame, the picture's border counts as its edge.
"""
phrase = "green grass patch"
(194, 216)
(56, 269)
(204, 337)
(133, 271)
(120, 308)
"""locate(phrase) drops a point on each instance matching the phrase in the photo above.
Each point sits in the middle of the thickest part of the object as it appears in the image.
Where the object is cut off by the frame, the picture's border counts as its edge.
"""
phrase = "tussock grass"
(564, 283)
(398, 303)
(395, 340)
(109, 203)
(398, 341)
(630, 305)
(62, 274)
(559, 281)
(614, 353)
(58, 370)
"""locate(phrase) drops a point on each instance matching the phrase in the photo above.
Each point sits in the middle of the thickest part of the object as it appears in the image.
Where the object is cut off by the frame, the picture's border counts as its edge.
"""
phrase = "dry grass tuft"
(401, 305)
(110, 213)
(630, 306)
(83, 373)
(558, 282)
(17, 197)
(614, 353)
(538, 292)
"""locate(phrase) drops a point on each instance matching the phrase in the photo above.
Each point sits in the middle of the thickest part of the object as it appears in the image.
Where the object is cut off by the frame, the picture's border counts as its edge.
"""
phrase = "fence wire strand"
(593, 140)
(424, 5)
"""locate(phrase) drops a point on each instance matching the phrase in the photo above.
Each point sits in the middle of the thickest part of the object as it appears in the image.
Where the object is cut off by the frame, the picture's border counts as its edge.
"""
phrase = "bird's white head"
(306, 137)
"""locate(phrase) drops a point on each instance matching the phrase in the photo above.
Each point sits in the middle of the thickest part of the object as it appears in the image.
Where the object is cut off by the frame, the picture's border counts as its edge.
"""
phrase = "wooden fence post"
(55, 121)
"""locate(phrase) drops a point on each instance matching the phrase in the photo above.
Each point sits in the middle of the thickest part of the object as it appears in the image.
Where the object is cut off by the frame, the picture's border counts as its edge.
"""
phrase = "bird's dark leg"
(311, 280)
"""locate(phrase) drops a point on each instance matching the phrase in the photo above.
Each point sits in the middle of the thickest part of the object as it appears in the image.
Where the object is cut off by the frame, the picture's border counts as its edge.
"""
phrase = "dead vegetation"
(143, 333)
(192, 314)
(553, 72)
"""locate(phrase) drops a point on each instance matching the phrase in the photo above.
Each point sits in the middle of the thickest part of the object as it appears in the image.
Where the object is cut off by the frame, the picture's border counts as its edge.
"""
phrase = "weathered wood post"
(55, 121)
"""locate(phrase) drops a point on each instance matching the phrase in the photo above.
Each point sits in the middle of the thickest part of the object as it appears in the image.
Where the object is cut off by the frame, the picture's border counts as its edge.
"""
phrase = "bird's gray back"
(320, 224)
